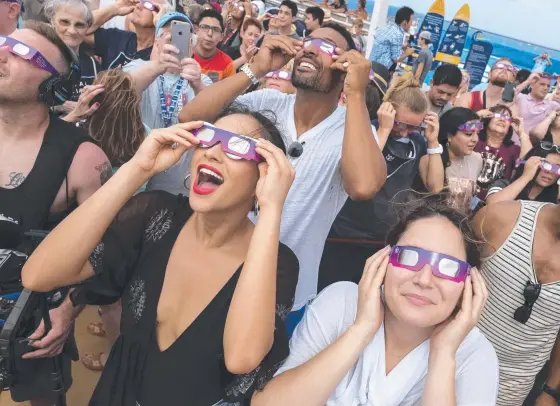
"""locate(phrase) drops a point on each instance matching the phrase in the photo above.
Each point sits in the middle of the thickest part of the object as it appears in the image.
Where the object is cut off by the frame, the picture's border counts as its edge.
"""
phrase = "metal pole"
(378, 20)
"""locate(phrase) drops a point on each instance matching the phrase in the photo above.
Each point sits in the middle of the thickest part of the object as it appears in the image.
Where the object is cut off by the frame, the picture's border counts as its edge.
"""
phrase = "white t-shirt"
(317, 194)
(366, 384)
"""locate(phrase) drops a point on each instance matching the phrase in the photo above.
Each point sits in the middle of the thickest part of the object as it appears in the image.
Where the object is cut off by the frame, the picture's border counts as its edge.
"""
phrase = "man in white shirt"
(332, 148)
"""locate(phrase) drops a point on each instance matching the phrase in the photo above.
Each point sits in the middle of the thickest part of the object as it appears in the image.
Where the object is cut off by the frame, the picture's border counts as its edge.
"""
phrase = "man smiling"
(333, 149)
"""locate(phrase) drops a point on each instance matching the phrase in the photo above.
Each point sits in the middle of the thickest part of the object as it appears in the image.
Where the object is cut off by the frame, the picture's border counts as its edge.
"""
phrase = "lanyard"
(167, 112)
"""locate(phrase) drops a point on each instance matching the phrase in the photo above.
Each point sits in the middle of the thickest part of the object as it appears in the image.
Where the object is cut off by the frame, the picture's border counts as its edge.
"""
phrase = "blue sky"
(535, 21)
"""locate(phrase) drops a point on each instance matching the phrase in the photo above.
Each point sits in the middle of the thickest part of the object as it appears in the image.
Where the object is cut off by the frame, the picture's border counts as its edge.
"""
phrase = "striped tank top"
(522, 349)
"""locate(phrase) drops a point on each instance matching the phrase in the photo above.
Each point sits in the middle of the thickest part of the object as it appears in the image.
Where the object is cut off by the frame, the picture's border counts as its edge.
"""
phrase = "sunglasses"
(148, 5)
(505, 117)
(471, 126)
(279, 74)
(531, 294)
(239, 6)
(402, 126)
(324, 45)
(548, 76)
(26, 52)
(548, 146)
(504, 66)
(234, 145)
(443, 266)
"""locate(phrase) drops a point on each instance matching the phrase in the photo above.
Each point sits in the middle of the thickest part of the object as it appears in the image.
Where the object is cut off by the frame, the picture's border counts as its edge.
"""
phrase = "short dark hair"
(291, 5)
(212, 13)
(251, 21)
(48, 32)
(448, 75)
(403, 15)
(449, 124)
(317, 13)
(342, 31)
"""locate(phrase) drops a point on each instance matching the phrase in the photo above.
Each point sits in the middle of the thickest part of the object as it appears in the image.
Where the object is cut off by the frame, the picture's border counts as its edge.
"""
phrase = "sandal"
(97, 329)
(92, 361)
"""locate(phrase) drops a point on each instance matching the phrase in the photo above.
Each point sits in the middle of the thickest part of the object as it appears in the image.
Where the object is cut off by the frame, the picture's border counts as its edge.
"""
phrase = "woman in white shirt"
(406, 335)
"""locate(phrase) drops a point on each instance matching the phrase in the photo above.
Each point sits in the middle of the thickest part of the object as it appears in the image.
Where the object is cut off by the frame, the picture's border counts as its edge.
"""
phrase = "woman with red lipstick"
(204, 291)
(406, 335)
(458, 134)
(533, 180)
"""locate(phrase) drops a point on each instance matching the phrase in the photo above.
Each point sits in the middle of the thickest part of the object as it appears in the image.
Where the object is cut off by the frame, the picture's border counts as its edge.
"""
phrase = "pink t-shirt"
(534, 111)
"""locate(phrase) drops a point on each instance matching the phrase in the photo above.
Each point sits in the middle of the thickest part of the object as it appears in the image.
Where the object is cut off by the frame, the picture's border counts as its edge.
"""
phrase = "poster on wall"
(478, 58)
(455, 37)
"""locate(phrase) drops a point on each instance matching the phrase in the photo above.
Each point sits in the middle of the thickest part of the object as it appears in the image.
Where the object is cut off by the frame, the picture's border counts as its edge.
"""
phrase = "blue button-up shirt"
(388, 45)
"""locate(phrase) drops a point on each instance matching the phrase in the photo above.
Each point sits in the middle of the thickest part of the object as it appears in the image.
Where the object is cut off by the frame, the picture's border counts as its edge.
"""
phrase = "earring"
(256, 208)
(185, 182)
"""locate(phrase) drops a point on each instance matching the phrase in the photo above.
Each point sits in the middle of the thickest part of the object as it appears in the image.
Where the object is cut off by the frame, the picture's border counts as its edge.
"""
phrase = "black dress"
(130, 263)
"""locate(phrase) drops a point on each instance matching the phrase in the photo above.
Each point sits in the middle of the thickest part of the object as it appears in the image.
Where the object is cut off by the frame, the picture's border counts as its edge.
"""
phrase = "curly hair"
(117, 125)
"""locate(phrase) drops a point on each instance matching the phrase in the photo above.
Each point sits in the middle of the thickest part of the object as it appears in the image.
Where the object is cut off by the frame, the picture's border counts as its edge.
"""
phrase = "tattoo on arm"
(16, 179)
(105, 172)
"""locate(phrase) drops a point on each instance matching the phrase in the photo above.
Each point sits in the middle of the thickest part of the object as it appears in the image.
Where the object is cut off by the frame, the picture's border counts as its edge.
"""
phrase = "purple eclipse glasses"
(471, 126)
(546, 166)
(26, 52)
(239, 6)
(234, 145)
(279, 74)
(325, 46)
(148, 5)
(504, 66)
(505, 117)
(402, 126)
(443, 266)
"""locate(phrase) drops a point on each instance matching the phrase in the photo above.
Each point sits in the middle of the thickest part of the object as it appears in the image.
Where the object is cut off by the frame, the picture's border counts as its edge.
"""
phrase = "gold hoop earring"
(185, 182)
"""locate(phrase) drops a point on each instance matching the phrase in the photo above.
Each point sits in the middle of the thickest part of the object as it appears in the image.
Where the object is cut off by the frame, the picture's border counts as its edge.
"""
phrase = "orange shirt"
(218, 67)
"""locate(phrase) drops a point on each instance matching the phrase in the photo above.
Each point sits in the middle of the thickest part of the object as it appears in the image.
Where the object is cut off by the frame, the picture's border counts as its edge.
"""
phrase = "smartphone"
(509, 92)
(181, 34)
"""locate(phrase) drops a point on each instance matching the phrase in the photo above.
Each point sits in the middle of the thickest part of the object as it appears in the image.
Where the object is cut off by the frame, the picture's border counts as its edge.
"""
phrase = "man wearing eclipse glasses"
(47, 167)
(117, 47)
(332, 148)
(522, 315)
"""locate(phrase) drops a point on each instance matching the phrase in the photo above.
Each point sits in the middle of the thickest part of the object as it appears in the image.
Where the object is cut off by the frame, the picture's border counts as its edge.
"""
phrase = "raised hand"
(125, 7)
(448, 336)
(191, 72)
(531, 167)
(276, 176)
(165, 55)
(370, 305)
(386, 116)
(432, 131)
(275, 52)
(84, 108)
(357, 69)
(163, 147)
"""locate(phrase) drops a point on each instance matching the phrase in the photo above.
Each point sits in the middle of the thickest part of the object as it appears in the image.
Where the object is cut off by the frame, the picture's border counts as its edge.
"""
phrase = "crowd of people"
(264, 215)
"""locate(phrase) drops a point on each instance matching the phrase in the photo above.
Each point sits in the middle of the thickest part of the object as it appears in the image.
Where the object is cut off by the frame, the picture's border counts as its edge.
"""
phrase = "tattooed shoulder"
(105, 172)
(16, 179)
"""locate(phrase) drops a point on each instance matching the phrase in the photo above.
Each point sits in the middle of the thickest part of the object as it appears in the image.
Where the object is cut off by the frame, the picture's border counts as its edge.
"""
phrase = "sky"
(535, 21)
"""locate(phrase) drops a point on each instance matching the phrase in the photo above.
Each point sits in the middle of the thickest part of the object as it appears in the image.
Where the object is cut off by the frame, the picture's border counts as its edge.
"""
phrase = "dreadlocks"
(117, 125)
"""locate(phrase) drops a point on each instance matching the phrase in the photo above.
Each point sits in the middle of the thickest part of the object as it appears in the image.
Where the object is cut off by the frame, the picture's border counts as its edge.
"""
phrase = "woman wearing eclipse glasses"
(204, 291)
(406, 334)
(536, 178)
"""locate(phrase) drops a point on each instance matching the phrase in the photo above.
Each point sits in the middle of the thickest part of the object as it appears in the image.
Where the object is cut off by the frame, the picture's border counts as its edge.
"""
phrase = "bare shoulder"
(494, 223)
(90, 169)
(464, 100)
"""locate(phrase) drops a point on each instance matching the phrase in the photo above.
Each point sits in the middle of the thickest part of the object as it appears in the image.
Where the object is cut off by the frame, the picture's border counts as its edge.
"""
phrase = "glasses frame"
(309, 42)
(148, 5)
(223, 137)
(549, 146)
(431, 258)
(33, 56)
(505, 117)
(531, 294)
(401, 126)
(208, 28)
(277, 74)
(471, 126)
(503, 66)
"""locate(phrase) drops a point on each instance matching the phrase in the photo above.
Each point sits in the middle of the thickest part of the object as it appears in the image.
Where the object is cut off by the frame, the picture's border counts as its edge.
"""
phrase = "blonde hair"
(117, 125)
(406, 91)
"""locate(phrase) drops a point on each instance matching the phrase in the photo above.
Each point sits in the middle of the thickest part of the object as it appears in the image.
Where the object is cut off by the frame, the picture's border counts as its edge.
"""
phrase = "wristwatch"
(554, 392)
(435, 151)
(247, 71)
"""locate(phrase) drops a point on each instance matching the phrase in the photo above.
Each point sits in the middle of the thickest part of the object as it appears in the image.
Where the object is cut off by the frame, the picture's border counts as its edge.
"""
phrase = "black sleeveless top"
(29, 204)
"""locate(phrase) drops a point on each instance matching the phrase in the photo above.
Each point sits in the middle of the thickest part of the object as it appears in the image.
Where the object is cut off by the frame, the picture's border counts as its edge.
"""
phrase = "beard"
(498, 82)
(314, 83)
